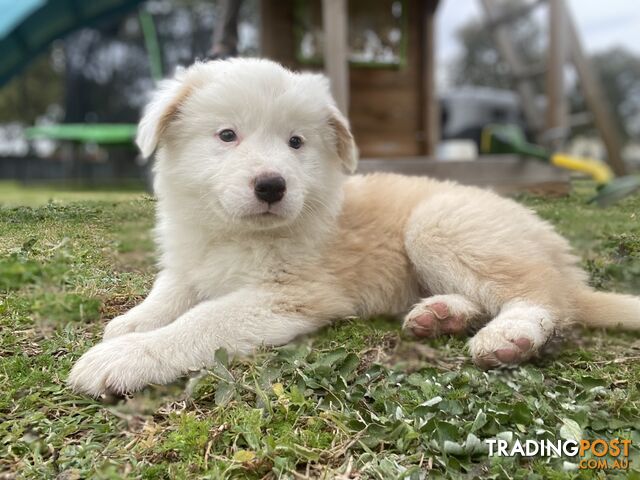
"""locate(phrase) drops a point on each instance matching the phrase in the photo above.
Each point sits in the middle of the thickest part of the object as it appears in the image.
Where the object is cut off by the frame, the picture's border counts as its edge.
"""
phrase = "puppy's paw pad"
(434, 320)
(440, 310)
(439, 315)
(486, 361)
(523, 343)
(454, 324)
(491, 348)
(426, 322)
(517, 352)
(421, 326)
(508, 355)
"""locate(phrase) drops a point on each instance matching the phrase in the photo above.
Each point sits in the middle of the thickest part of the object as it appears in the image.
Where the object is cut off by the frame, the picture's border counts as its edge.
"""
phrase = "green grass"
(14, 194)
(354, 399)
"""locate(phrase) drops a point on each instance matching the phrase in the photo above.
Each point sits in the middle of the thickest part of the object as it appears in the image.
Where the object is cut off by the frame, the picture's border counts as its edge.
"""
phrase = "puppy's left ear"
(344, 142)
(161, 110)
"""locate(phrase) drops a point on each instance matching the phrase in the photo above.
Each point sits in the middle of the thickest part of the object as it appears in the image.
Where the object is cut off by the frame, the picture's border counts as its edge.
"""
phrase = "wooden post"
(594, 97)
(276, 25)
(430, 121)
(225, 31)
(557, 108)
(505, 46)
(336, 64)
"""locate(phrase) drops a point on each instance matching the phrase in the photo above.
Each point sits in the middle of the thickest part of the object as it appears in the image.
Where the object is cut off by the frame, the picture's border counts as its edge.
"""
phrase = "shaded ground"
(354, 400)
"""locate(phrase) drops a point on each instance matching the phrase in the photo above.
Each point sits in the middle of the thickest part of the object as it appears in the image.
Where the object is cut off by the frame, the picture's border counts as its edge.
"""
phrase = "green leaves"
(570, 430)
(17, 270)
(354, 397)
(479, 422)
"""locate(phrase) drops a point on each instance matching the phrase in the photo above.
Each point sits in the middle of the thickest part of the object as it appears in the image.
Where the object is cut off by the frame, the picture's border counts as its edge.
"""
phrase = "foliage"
(102, 74)
(31, 94)
(355, 399)
(480, 63)
(619, 71)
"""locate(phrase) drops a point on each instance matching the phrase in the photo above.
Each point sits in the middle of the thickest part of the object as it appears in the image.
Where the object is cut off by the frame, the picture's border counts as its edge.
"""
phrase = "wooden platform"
(502, 173)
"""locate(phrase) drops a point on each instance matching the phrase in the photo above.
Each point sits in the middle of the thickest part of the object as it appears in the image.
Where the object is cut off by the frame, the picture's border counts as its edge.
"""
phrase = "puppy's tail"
(608, 310)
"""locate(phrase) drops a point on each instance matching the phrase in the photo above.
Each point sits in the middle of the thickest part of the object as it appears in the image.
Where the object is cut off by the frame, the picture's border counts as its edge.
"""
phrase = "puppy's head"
(252, 143)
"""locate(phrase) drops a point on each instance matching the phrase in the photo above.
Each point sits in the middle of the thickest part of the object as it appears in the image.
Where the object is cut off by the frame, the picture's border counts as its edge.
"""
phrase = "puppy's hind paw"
(513, 337)
(441, 315)
(512, 353)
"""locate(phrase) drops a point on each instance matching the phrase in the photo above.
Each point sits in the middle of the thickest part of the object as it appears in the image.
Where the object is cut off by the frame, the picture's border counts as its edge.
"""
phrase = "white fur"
(238, 273)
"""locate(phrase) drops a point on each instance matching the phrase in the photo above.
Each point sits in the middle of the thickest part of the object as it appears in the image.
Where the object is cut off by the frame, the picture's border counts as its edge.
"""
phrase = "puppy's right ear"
(161, 110)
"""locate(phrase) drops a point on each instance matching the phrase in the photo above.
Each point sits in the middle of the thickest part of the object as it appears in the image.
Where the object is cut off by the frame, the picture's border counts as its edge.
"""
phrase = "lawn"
(356, 400)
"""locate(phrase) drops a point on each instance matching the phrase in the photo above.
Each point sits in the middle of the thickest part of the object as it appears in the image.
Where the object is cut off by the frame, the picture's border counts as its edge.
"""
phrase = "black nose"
(270, 188)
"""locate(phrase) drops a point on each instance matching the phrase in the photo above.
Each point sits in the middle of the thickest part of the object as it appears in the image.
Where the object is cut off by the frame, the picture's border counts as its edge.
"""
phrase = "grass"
(13, 194)
(355, 400)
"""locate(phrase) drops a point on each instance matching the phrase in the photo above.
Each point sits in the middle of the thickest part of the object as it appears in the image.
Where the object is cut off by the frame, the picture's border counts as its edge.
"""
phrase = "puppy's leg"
(441, 314)
(503, 261)
(169, 298)
(239, 322)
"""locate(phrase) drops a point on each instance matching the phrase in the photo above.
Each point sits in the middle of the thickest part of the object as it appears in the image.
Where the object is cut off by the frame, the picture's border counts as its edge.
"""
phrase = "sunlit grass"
(13, 194)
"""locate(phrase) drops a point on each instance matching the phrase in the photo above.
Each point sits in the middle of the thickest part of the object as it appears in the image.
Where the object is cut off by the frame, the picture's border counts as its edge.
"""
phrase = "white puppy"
(263, 238)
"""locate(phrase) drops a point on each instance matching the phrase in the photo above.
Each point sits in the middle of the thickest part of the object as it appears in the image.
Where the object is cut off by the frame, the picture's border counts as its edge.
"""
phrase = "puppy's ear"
(161, 110)
(344, 142)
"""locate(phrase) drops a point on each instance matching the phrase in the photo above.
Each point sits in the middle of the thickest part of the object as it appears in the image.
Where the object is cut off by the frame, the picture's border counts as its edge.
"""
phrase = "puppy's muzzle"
(270, 187)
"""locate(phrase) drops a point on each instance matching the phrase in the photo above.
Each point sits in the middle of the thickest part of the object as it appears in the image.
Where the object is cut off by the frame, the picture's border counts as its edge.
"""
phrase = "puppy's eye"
(295, 142)
(227, 135)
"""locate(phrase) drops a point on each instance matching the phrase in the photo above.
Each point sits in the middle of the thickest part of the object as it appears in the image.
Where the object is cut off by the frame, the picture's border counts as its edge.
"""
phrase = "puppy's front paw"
(127, 323)
(118, 326)
(120, 365)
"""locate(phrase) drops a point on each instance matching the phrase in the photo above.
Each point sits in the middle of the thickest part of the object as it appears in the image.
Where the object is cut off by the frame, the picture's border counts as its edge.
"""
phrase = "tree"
(31, 94)
(619, 70)
(481, 64)
(102, 74)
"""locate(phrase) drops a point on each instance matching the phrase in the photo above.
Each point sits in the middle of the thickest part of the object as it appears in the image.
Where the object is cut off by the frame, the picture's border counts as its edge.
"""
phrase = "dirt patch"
(380, 352)
(119, 304)
(136, 261)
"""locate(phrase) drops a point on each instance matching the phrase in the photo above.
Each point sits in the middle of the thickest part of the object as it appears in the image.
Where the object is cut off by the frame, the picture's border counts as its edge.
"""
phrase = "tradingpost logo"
(598, 454)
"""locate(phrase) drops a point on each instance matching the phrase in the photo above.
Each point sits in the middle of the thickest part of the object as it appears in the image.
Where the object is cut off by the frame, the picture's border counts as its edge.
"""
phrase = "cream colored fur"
(238, 273)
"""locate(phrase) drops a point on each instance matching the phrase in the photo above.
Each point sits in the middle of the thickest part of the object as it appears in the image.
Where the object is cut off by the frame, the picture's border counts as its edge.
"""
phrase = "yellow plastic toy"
(498, 139)
(597, 170)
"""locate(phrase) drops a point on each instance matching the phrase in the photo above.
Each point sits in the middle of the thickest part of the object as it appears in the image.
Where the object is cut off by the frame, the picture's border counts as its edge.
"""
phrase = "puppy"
(263, 238)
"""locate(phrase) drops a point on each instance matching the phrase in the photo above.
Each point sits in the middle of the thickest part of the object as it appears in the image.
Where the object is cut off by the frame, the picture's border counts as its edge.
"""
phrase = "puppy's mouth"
(267, 219)
(264, 213)
(267, 213)
(270, 210)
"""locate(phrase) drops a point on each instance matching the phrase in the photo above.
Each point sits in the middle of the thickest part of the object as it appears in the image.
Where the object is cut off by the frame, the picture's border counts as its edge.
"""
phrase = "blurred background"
(482, 91)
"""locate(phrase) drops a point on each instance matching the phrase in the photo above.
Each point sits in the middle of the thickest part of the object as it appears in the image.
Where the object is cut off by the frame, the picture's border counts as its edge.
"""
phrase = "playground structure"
(394, 108)
(388, 92)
